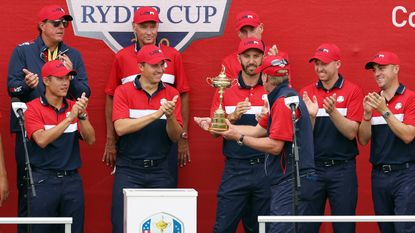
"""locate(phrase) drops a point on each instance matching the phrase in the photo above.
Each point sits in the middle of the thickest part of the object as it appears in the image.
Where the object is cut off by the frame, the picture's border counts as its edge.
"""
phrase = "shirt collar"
(241, 83)
(45, 102)
(274, 93)
(138, 86)
(401, 89)
(338, 84)
(62, 48)
(137, 46)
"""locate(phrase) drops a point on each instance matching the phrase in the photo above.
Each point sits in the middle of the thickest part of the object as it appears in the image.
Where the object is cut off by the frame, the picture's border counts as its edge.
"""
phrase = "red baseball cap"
(53, 12)
(145, 14)
(247, 18)
(57, 69)
(250, 43)
(326, 53)
(151, 54)
(383, 58)
(275, 65)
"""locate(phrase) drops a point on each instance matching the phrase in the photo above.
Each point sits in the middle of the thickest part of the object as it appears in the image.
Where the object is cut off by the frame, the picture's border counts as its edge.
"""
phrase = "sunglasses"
(57, 23)
(278, 62)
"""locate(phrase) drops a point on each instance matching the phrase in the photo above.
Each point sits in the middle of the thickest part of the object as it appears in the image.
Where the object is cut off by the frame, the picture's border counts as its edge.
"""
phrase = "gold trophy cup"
(221, 82)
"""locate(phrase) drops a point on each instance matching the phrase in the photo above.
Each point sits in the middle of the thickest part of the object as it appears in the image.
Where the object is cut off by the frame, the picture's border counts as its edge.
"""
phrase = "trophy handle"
(210, 81)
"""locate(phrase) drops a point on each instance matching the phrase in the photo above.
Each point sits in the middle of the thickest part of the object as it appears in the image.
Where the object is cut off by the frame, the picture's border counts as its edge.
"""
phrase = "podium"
(160, 210)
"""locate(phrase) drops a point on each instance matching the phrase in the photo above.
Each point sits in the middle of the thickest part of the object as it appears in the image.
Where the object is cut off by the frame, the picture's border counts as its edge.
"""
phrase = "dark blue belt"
(386, 168)
(251, 161)
(57, 173)
(146, 163)
(256, 160)
(330, 163)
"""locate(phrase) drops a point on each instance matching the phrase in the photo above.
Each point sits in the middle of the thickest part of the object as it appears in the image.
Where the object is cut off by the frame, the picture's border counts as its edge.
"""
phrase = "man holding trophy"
(244, 181)
(273, 135)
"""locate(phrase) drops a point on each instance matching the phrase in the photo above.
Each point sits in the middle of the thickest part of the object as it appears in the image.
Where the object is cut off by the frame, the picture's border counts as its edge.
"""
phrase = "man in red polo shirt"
(54, 125)
(389, 124)
(147, 119)
(335, 107)
(125, 69)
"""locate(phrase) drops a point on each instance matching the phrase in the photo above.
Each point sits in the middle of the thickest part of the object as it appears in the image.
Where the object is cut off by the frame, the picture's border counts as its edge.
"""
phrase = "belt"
(330, 163)
(257, 160)
(386, 168)
(251, 161)
(146, 163)
(57, 173)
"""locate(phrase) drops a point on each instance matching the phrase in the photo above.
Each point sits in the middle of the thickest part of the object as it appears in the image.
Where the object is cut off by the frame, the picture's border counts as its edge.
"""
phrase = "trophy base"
(218, 127)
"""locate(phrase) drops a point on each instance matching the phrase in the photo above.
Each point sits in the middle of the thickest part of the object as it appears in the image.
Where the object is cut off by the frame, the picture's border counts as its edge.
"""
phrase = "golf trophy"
(221, 82)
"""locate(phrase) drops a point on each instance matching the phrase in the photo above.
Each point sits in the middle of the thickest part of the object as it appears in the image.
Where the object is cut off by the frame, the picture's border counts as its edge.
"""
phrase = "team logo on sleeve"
(182, 21)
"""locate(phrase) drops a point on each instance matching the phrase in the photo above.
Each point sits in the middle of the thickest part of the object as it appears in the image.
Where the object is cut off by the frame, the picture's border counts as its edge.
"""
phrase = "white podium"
(160, 210)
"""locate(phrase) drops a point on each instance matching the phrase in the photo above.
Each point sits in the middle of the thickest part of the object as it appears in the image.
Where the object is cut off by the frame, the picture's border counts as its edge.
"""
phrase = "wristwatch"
(184, 135)
(241, 140)
(83, 116)
(386, 114)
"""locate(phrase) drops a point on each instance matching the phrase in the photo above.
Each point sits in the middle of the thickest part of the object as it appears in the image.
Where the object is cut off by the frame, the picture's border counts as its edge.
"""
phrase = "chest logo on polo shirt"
(398, 106)
(162, 101)
(340, 99)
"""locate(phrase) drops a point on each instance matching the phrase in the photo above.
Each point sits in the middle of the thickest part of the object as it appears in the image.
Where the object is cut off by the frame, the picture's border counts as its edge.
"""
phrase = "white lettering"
(401, 18)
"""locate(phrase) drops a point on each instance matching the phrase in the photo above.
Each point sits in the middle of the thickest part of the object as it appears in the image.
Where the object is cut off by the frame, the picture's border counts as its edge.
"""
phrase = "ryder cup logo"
(182, 21)
(162, 223)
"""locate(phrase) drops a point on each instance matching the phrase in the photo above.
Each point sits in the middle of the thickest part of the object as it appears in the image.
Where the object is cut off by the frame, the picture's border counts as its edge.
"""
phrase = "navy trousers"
(393, 193)
(244, 193)
(57, 196)
(172, 162)
(338, 184)
(130, 175)
(282, 203)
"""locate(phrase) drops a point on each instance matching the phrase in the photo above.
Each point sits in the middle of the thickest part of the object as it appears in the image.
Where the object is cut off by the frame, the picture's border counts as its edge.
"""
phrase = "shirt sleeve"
(264, 121)
(181, 82)
(113, 80)
(33, 120)
(177, 111)
(355, 105)
(281, 125)
(79, 84)
(120, 107)
(16, 85)
(409, 112)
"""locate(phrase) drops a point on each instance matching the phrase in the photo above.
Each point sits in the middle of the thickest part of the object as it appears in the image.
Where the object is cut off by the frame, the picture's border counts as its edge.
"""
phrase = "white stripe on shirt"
(322, 112)
(137, 113)
(70, 129)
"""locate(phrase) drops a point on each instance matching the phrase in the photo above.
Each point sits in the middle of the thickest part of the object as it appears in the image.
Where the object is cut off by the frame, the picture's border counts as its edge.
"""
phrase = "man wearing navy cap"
(389, 124)
(335, 110)
(54, 125)
(147, 120)
(124, 70)
(23, 78)
(273, 135)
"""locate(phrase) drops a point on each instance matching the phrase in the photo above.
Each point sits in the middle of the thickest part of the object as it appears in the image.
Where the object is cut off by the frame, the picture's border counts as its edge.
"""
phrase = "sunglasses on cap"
(57, 23)
(278, 62)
